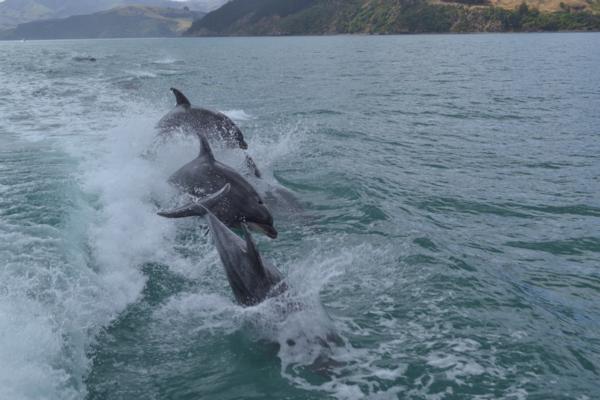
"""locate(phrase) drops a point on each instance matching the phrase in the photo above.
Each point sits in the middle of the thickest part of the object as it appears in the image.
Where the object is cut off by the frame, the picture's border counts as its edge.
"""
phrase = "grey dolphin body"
(241, 203)
(197, 120)
(252, 280)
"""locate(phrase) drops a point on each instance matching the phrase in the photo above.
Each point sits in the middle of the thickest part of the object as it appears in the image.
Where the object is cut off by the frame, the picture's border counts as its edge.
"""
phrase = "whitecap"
(238, 115)
(142, 74)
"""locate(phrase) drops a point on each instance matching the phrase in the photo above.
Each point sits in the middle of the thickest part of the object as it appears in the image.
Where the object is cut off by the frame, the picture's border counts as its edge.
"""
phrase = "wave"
(238, 115)
(142, 74)
(168, 61)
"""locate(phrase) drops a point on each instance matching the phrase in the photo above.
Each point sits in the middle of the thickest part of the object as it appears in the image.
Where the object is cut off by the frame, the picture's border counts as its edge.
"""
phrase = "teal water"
(450, 233)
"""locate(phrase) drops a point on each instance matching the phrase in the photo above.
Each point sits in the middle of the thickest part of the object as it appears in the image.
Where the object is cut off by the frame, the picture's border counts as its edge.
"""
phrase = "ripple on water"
(449, 227)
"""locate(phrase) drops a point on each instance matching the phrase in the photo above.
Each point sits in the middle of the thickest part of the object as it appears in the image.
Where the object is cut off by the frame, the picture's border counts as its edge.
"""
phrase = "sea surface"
(449, 237)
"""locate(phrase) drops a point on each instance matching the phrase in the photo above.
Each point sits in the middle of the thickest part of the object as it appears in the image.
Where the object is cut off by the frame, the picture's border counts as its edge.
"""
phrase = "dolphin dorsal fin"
(257, 263)
(180, 98)
(205, 150)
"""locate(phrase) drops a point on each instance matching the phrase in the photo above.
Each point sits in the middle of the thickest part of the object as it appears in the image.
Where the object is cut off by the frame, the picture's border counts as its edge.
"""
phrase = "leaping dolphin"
(240, 203)
(197, 120)
(251, 278)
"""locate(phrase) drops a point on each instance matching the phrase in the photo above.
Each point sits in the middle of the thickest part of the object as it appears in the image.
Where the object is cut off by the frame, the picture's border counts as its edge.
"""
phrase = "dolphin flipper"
(180, 98)
(196, 208)
(189, 210)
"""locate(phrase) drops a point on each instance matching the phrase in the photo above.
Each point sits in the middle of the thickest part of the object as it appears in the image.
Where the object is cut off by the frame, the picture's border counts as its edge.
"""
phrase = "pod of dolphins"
(225, 199)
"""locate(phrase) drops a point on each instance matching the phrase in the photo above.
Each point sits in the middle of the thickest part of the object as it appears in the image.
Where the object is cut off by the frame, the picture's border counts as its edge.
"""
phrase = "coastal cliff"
(315, 17)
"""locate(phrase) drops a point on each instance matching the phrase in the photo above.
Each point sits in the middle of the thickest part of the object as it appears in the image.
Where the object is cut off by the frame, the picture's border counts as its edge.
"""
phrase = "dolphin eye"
(260, 202)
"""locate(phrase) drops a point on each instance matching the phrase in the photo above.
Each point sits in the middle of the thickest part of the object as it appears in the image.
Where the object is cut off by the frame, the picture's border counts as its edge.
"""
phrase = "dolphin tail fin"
(180, 98)
(252, 252)
(205, 150)
(197, 208)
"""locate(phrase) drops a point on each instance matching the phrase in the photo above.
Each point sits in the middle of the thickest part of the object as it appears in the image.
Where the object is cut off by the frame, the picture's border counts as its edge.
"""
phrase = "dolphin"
(251, 278)
(241, 203)
(198, 120)
(213, 124)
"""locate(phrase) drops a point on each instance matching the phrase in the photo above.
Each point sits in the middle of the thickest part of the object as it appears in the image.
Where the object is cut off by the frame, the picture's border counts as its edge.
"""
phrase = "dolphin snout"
(243, 144)
(271, 232)
(268, 230)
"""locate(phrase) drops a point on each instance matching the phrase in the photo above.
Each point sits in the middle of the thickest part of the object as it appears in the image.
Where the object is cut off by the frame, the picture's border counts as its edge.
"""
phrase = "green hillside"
(15, 12)
(297, 17)
(131, 21)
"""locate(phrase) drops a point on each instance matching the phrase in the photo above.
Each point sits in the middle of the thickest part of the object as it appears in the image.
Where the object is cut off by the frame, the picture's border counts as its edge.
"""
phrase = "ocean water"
(449, 237)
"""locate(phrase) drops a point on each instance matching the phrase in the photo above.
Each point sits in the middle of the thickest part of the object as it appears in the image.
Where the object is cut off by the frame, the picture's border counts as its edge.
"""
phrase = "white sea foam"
(142, 73)
(167, 60)
(310, 342)
(350, 371)
(30, 352)
(59, 287)
(238, 115)
(114, 231)
(197, 312)
(33, 137)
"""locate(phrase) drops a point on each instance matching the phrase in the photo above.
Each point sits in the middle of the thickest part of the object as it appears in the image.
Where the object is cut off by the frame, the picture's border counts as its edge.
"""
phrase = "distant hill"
(14, 12)
(299, 17)
(128, 21)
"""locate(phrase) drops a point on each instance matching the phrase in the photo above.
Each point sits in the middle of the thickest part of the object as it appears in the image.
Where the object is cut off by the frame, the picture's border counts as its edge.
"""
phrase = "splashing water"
(446, 246)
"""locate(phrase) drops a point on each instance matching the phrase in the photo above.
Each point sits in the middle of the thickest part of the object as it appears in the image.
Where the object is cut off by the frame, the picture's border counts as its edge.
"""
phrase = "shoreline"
(25, 40)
